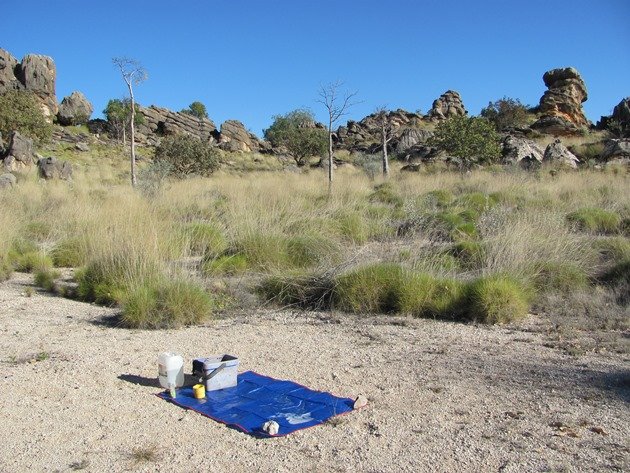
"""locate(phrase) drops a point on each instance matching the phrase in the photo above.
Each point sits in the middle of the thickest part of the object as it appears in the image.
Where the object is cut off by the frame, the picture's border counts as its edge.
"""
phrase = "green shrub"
(6, 268)
(562, 277)
(20, 111)
(595, 220)
(69, 253)
(33, 261)
(497, 300)
(613, 249)
(506, 113)
(230, 265)
(205, 239)
(96, 284)
(477, 202)
(187, 156)
(264, 251)
(168, 304)
(45, 278)
(296, 131)
(473, 140)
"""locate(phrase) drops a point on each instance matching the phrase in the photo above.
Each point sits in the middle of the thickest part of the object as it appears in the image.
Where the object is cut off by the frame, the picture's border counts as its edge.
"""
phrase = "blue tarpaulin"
(257, 399)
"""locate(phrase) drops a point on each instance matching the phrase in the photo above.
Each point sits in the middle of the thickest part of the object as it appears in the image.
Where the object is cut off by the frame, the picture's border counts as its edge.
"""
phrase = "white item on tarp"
(171, 371)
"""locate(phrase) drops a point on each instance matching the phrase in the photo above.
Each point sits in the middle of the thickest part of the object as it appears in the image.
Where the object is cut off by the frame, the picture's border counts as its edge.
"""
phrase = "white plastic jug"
(171, 371)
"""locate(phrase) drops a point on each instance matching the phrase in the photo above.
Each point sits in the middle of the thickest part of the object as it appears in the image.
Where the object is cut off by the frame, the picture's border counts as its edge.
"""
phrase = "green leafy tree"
(506, 113)
(20, 111)
(187, 155)
(196, 109)
(473, 140)
(118, 115)
(297, 132)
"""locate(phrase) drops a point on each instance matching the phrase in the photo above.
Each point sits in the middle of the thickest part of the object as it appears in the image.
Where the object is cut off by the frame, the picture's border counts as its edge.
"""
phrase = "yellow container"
(199, 391)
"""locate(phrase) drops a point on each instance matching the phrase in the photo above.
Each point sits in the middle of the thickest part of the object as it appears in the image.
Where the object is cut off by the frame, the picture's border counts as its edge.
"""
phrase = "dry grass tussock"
(153, 254)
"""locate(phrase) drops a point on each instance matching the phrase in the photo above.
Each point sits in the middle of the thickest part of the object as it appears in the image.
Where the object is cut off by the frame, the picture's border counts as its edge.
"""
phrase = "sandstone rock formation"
(561, 105)
(365, 135)
(556, 152)
(19, 153)
(234, 137)
(521, 151)
(160, 121)
(74, 109)
(447, 105)
(36, 73)
(7, 180)
(52, 168)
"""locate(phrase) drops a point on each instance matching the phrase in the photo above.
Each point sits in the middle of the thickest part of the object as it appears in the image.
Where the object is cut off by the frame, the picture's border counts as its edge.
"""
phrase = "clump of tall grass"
(497, 299)
(165, 304)
(70, 252)
(595, 220)
(204, 239)
(32, 261)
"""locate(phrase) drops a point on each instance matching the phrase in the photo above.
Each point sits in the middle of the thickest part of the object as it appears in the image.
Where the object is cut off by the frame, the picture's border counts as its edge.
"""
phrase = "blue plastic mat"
(257, 399)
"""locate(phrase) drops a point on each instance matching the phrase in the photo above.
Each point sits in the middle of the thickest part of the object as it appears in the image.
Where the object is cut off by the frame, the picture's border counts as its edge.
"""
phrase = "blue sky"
(250, 60)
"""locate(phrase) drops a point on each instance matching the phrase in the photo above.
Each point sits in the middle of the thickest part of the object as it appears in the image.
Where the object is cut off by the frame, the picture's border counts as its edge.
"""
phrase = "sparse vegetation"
(20, 111)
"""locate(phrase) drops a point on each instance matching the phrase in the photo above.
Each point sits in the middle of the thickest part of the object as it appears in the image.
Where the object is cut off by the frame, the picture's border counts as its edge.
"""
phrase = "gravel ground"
(77, 393)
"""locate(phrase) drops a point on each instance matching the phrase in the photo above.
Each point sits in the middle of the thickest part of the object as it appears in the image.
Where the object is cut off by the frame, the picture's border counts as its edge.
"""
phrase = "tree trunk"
(385, 159)
(330, 157)
(132, 137)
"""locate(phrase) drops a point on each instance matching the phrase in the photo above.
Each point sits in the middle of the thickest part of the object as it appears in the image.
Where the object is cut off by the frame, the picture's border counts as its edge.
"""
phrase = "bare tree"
(337, 104)
(133, 74)
(386, 128)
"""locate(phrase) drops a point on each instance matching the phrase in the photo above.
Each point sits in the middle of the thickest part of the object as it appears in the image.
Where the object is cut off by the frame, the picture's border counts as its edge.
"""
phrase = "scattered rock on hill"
(52, 168)
(234, 137)
(20, 153)
(74, 109)
(620, 114)
(561, 105)
(7, 180)
(556, 152)
(521, 151)
(447, 105)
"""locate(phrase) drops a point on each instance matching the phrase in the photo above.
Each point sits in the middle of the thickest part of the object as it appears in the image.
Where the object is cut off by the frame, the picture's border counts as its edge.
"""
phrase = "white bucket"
(171, 370)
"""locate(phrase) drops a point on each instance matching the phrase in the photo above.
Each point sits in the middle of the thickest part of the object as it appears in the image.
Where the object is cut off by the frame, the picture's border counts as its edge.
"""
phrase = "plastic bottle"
(171, 372)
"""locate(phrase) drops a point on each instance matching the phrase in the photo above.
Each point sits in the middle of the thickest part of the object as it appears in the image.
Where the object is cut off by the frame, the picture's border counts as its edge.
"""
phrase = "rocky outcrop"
(620, 118)
(561, 105)
(160, 122)
(616, 150)
(447, 105)
(19, 153)
(36, 73)
(557, 153)
(7, 180)
(52, 168)
(521, 151)
(74, 109)
(8, 79)
(234, 137)
(365, 135)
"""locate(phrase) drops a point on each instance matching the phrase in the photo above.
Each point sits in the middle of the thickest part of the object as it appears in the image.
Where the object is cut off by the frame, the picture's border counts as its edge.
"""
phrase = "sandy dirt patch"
(77, 393)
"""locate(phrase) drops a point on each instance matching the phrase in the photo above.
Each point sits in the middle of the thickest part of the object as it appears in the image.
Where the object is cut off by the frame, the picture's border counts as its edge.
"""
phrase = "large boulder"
(159, 121)
(410, 137)
(7, 180)
(521, 151)
(38, 74)
(234, 137)
(74, 109)
(561, 105)
(19, 153)
(53, 168)
(557, 153)
(616, 150)
(447, 105)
